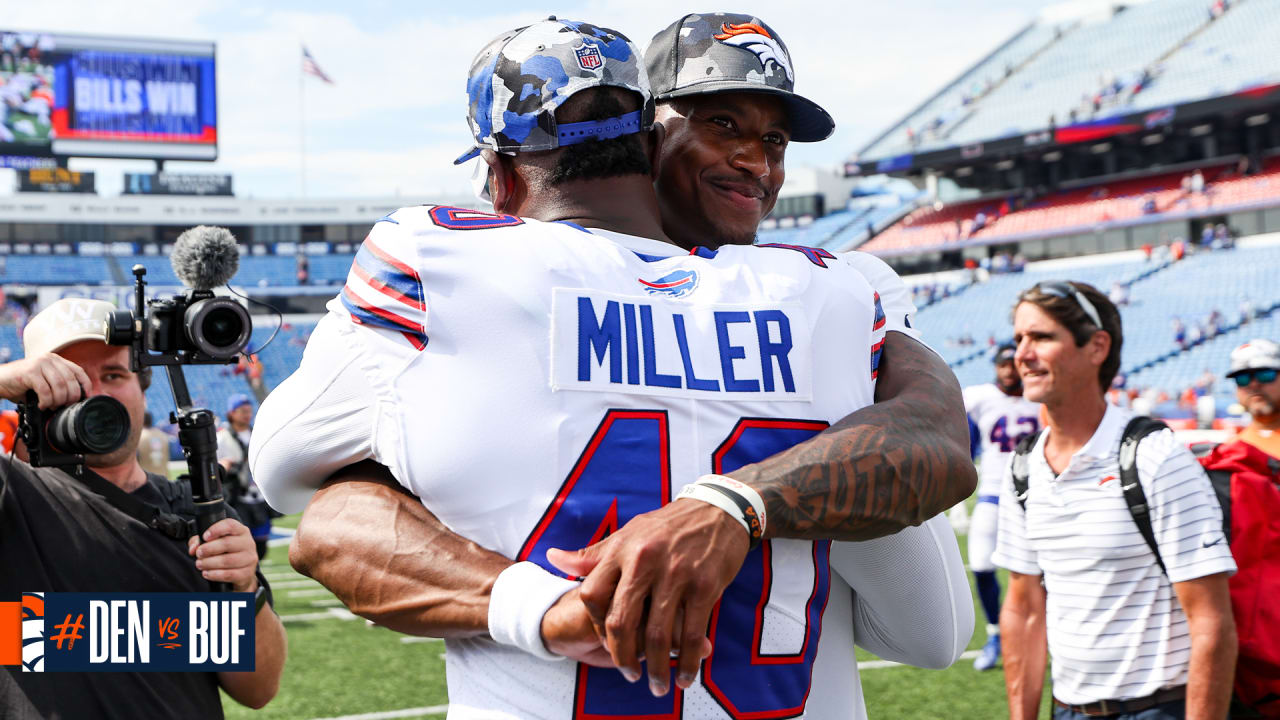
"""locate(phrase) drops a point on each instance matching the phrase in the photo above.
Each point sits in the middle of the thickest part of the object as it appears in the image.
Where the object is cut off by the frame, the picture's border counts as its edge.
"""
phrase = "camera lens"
(95, 426)
(218, 327)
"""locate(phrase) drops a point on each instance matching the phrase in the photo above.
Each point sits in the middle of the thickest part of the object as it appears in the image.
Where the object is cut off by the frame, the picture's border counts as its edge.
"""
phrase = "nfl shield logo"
(589, 57)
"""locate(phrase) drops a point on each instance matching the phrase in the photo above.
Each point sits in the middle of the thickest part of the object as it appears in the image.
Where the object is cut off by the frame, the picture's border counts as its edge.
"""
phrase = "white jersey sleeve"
(895, 298)
(912, 602)
(338, 408)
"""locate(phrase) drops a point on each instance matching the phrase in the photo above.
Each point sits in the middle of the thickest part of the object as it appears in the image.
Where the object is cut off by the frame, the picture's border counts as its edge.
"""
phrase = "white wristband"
(711, 496)
(521, 595)
(746, 491)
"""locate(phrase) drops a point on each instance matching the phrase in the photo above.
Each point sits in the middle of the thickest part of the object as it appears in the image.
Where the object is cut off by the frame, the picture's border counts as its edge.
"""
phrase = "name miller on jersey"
(646, 345)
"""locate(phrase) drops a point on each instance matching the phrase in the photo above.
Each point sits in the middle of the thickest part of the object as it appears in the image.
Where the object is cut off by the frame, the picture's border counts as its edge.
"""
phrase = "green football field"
(341, 666)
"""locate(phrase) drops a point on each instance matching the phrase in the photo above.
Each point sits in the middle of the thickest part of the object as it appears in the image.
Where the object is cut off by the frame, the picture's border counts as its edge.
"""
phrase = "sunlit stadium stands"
(1090, 208)
(1235, 52)
(1146, 55)
(1229, 281)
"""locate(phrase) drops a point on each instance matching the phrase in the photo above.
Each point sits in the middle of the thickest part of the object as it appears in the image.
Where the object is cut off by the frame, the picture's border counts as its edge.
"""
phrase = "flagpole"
(302, 130)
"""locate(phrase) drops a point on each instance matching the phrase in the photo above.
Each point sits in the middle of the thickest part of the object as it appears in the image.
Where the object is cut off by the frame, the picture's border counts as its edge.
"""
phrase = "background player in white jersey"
(998, 418)
(367, 293)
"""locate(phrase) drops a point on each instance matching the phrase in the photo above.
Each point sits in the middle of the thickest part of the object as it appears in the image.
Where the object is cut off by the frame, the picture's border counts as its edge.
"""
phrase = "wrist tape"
(521, 595)
(740, 501)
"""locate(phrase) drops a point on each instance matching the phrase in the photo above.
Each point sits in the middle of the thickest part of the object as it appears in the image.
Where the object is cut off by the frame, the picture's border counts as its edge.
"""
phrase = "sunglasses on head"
(1264, 376)
(1068, 291)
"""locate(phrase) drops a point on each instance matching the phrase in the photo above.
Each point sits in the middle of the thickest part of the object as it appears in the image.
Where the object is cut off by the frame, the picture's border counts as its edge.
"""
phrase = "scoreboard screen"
(96, 96)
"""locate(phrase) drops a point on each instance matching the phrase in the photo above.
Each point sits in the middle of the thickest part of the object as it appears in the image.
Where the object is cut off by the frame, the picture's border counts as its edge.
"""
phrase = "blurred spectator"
(1149, 205)
(1254, 368)
(1119, 294)
(242, 492)
(1204, 384)
(1206, 236)
(1197, 182)
(979, 222)
(1213, 323)
(1222, 239)
(1178, 249)
(1251, 463)
(1246, 309)
(1179, 333)
(1146, 251)
(153, 448)
(303, 269)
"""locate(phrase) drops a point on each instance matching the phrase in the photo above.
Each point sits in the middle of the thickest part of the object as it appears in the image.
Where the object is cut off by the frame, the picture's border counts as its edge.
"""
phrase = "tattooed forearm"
(889, 465)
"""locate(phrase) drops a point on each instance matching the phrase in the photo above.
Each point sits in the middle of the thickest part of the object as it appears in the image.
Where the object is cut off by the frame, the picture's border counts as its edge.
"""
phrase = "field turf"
(340, 666)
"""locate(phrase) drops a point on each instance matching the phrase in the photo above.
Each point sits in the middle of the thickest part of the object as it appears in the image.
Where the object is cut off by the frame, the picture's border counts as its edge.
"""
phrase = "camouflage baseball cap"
(727, 52)
(521, 77)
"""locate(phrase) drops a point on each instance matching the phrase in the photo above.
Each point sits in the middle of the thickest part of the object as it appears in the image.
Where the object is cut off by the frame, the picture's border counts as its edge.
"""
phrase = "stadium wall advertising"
(94, 96)
(1092, 131)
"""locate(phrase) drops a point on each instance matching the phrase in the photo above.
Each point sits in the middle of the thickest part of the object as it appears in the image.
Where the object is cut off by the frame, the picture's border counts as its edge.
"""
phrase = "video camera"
(193, 328)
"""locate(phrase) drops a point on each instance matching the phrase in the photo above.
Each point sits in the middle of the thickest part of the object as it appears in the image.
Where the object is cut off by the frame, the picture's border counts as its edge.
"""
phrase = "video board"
(97, 96)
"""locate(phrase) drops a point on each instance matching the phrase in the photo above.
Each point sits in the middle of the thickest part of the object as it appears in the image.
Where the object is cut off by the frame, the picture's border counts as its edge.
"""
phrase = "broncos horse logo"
(753, 37)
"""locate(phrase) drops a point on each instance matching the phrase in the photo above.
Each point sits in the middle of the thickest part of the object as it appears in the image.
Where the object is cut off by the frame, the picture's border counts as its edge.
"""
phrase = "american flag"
(310, 67)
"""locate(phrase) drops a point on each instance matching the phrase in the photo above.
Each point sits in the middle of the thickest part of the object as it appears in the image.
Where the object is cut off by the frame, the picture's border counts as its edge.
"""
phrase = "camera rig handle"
(197, 433)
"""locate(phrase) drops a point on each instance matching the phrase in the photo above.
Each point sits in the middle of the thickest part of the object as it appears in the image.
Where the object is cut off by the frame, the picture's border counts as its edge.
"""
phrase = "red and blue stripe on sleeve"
(877, 331)
(384, 292)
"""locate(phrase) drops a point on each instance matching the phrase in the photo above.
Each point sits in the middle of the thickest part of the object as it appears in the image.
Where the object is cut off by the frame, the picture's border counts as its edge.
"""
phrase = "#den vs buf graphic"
(134, 632)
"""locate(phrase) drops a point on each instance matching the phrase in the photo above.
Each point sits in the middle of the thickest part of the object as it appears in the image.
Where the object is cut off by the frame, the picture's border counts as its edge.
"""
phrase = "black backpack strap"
(1021, 475)
(1134, 497)
(170, 525)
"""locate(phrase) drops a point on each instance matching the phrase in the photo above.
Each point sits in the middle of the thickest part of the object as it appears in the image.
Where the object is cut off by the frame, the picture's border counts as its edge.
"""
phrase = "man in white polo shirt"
(1128, 639)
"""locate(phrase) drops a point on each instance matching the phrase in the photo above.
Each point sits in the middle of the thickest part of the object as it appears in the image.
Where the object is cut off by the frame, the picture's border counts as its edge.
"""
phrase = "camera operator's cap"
(66, 322)
(236, 401)
(1257, 354)
(1004, 354)
(521, 77)
(704, 53)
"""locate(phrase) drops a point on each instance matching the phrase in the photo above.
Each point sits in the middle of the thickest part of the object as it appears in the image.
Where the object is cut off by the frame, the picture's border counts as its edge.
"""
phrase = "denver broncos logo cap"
(521, 77)
(728, 52)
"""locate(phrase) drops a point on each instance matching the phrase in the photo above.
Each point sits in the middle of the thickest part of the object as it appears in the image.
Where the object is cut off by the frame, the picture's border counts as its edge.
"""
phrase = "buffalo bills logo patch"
(589, 57)
(673, 284)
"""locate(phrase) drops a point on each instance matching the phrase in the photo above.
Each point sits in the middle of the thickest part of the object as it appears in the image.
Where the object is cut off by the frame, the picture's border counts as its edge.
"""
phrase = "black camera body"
(194, 328)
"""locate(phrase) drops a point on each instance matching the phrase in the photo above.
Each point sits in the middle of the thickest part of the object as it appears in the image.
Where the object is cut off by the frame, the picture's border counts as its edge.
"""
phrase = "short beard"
(1265, 409)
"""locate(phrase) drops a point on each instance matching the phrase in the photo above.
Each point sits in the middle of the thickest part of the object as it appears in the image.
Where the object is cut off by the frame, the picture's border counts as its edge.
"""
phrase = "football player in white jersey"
(392, 287)
(998, 418)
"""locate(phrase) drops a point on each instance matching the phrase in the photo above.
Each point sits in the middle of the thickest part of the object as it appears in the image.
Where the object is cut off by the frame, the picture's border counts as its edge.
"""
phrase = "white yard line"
(293, 581)
(442, 709)
(878, 664)
(306, 592)
(406, 713)
(330, 614)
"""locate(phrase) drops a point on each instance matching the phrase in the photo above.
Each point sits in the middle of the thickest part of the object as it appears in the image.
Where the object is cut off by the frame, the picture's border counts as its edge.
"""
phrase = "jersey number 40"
(625, 471)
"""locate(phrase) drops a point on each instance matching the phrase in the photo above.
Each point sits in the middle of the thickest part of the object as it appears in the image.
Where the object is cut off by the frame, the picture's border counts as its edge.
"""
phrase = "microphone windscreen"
(205, 257)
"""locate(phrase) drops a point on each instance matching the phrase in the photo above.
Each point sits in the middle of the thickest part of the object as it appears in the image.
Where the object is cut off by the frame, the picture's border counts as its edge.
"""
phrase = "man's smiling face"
(720, 166)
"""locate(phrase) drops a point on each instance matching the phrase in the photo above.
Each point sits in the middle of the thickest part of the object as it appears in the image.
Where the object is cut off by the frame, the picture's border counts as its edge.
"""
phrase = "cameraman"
(240, 490)
(58, 535)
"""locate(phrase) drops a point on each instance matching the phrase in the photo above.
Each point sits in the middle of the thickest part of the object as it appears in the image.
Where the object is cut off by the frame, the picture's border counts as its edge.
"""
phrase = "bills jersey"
(538, 385)
(997, 422)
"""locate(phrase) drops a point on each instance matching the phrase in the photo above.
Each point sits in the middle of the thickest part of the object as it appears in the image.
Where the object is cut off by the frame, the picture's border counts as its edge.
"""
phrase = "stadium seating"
(1085, 209)
(929, 123)
(1235, 52)
(1144, 56)
(1189, 289)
